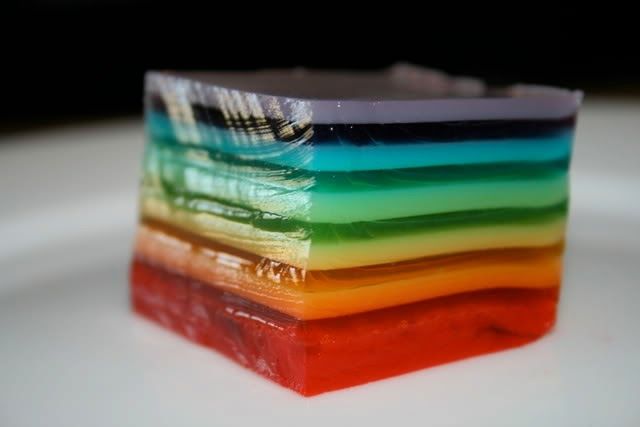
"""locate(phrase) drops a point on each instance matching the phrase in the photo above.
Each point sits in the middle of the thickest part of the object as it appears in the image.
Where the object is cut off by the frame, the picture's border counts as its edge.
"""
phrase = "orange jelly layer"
(317, 294)
(315, 356)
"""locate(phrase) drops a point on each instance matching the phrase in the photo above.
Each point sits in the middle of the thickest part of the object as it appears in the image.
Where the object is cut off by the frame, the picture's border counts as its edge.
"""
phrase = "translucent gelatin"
(326, 229)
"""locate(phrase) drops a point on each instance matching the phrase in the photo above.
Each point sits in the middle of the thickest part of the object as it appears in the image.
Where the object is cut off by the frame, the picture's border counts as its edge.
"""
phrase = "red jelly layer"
(316, 356)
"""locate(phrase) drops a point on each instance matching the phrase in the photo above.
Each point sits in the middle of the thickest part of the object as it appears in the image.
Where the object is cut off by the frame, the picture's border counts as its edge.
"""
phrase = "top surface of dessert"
(402, 93)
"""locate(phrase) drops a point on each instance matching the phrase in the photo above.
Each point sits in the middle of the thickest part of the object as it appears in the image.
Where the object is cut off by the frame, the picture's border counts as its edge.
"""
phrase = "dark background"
(66, 60)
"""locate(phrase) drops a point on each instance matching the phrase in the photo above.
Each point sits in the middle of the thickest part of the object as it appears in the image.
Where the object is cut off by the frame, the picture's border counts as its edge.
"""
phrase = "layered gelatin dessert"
(327, 229)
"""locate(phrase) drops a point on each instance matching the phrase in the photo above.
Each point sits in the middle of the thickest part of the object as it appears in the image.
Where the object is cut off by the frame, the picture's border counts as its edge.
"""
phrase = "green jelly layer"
(363, 230)
(331, 246)
(323, 197)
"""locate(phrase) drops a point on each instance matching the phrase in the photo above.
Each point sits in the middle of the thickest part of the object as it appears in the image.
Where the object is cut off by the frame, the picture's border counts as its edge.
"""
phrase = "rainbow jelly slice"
(327, 229)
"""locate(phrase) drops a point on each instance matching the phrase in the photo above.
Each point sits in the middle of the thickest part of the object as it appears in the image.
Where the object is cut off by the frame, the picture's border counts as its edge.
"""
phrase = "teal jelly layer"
(343, 156)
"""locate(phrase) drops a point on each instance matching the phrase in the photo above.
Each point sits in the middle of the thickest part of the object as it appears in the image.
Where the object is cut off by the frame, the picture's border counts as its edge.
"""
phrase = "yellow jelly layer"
(315, 294)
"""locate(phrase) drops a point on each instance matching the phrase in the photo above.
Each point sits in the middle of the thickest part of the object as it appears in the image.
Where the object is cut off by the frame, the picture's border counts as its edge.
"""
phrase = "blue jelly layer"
(343, 156)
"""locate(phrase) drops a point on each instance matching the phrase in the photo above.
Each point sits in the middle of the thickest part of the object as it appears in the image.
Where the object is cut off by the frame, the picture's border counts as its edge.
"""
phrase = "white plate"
(72, 354)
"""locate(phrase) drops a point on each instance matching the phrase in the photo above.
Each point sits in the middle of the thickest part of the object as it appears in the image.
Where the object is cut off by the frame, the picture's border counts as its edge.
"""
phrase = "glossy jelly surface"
(307, 216)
